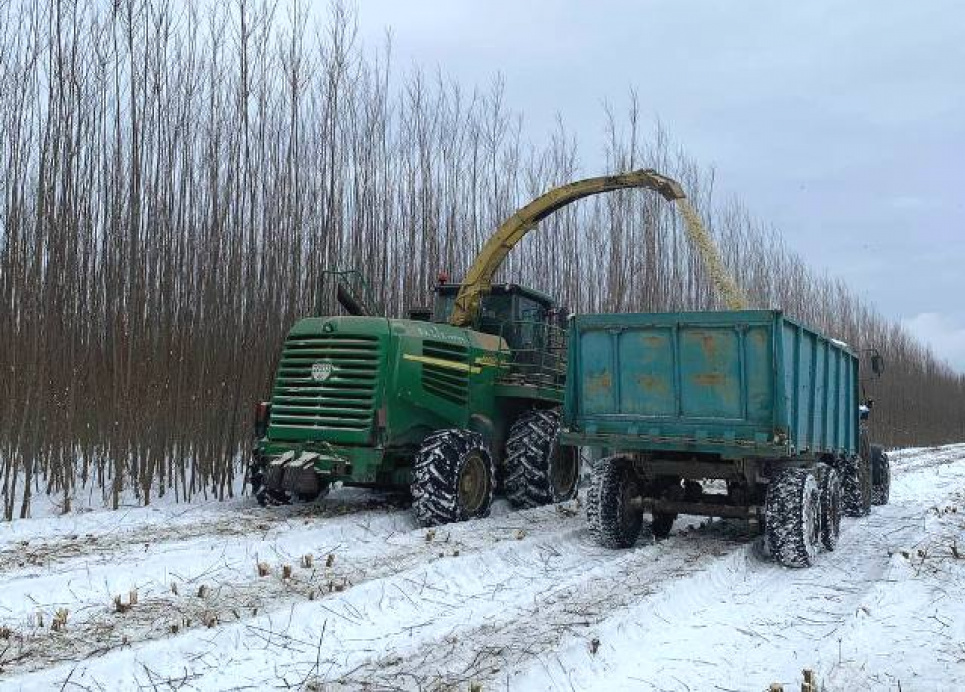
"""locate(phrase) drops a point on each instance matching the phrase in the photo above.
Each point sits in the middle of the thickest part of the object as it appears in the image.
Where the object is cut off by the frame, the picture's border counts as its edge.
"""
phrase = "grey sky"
(842, 123)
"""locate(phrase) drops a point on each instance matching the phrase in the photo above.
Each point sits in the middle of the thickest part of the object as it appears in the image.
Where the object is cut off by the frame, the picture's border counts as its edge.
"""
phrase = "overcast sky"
(842, 123)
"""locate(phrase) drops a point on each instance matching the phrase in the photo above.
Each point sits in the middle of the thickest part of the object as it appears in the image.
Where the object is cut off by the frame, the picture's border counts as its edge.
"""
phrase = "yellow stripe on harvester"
(452, 365)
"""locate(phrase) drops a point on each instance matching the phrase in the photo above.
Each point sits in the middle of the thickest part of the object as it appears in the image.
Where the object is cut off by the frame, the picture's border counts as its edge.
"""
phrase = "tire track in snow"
(525, 611)
(744, 624)
(569, 602)
(679, 579)
(96, 628)
(47, 552)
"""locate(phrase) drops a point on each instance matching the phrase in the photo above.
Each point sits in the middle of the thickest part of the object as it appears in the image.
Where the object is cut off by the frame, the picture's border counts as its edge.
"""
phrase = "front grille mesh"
(344, 400)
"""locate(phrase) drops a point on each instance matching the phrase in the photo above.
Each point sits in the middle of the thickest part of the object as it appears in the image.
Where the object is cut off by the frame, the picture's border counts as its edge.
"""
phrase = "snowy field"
(522, 600)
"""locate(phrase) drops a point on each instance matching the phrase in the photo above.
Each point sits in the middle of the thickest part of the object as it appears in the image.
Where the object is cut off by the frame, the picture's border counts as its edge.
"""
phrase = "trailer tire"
(593, 502)
(539, 471)
(830, 509)
(855, 473)
(453, 478)
(792, 517)
(612, 519)
(661, 523)
(880, 475)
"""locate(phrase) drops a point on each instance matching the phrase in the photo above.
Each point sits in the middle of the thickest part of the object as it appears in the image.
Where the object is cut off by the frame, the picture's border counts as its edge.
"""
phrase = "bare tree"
(175, 179)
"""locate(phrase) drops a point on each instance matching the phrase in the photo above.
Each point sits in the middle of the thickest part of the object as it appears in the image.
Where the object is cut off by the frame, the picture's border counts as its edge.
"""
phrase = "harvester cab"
(529, 322)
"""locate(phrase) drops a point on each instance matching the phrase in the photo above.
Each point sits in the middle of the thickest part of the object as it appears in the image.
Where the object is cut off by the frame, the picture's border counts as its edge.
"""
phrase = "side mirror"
(877, 364)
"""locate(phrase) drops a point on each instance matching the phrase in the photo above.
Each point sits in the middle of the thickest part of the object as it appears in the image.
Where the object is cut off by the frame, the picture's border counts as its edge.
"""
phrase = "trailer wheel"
(593, 501)
(453, 478)
(539, 470)
(612, 518)
(880, 475)
(792, 517)
(855, 473)
(830, 509)
(661, 523)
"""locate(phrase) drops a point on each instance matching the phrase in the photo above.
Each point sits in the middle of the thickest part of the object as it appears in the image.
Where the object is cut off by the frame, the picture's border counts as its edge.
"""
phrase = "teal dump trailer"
(742, 414)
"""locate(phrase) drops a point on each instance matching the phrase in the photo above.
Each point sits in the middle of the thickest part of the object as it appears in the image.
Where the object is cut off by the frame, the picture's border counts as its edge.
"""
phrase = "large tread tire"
(539, 471)
(830, 509)
(613, 521)
(792, 517)
(881, 476)
(438, 492)
(593, 502)
(855, 473)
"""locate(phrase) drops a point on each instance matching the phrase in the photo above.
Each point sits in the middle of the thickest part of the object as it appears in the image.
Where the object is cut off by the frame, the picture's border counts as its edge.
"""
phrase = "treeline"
(176, 177)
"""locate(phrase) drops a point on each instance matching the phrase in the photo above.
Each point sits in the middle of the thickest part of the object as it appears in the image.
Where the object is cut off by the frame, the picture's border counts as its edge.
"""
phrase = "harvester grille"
(327, 382)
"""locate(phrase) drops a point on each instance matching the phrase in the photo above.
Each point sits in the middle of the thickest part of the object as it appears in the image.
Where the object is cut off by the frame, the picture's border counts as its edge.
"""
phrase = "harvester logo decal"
(321, 371)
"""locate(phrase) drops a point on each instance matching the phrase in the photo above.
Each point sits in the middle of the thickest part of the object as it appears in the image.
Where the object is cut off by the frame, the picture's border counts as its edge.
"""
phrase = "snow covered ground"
(522, 600)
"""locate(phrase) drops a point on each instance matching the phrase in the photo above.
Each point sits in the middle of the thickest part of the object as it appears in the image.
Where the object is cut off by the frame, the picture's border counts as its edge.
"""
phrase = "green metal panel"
(363, 392)
(733, 383)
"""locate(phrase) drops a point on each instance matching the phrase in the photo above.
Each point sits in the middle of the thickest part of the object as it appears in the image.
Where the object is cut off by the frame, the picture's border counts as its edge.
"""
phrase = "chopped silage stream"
(521, 600)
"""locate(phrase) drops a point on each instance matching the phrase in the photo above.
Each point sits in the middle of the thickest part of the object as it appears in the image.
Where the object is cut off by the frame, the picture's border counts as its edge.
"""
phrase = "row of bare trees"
(176, 177)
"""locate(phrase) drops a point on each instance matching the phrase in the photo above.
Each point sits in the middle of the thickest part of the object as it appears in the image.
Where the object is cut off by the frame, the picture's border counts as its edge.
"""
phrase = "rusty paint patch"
(596, 384)
(709, 379)
(709, 345)
(652, 383)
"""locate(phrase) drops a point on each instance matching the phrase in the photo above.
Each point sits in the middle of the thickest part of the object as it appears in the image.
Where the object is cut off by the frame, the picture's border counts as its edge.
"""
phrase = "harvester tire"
(855, 473)
(880, 476)
(830, 509)
(453, 478)
(613, 520)
(539, 471)
(792, 517)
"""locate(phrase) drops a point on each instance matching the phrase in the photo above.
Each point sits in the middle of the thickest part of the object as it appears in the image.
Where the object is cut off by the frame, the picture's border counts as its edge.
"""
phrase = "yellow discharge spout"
(478, 279)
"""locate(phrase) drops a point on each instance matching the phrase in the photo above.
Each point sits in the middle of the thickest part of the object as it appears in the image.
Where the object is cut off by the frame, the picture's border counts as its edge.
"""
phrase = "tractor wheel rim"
(564, 472)
(473, 483)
